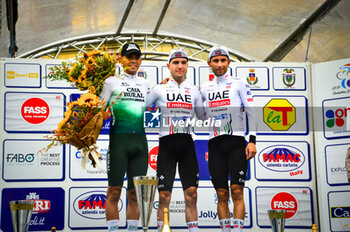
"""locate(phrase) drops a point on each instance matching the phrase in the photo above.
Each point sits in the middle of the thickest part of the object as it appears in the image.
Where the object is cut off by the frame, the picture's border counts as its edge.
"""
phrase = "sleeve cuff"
(252, 139)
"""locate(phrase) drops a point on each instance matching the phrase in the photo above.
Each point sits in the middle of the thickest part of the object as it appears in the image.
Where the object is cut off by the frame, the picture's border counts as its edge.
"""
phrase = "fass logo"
(282, 158)
(92, 205)
(40, 205)
(335, 117)
(35, 110)
(152, 157)
(286, 201)
(279, 114)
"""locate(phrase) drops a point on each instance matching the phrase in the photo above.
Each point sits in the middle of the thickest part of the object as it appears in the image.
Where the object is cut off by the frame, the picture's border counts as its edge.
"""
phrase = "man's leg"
(191, 208)
(137, 166)
(164, 201)
(239, 207)
(218, 148)
(166, 169)
(132, 211)
(223, 209)
(112, 212)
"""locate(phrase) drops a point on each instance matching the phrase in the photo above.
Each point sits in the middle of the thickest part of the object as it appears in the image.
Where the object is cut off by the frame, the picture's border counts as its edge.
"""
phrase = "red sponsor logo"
(211, 77)
(286, 201)
(35, 110)
(152, 157)
(41, 206)
(250, 99)
(179, 105)
(223, 102)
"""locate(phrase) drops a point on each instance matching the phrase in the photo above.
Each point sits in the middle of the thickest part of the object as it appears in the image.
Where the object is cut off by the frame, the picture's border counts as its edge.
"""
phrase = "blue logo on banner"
(48, 207)
(202, 156)
(151, 118)
(106, 124)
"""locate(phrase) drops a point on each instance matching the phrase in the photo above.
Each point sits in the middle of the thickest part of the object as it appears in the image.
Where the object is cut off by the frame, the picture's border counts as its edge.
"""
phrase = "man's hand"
(164, 81)
(250, 151)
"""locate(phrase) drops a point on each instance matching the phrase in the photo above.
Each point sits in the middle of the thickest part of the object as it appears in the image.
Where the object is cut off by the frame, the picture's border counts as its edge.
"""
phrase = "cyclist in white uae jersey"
(228, 153)
(225, 98)
(178, 102)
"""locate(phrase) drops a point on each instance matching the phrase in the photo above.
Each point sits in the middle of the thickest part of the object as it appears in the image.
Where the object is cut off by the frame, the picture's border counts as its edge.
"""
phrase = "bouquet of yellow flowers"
(84, 117)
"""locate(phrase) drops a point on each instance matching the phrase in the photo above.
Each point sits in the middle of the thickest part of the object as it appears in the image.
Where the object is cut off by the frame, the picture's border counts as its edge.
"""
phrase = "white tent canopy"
(255, 30)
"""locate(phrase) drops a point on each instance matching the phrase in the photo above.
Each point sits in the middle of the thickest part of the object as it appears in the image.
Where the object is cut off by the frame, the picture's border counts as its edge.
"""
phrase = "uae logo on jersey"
(288, 77)
(252, 79)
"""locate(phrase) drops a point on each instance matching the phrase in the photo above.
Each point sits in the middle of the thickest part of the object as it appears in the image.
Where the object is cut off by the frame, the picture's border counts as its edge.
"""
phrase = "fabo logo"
(152, 157)
(336, 117)
(279, 114)
(35, 110)
(286, 201)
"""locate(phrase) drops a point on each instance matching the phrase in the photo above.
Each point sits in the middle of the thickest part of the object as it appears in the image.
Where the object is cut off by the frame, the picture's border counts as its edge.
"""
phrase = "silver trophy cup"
(21, 213)
(277, 219)
(145, 187)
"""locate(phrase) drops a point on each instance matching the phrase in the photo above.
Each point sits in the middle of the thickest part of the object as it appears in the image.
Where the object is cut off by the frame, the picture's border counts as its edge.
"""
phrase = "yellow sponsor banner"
(10, 74)
(279, 114)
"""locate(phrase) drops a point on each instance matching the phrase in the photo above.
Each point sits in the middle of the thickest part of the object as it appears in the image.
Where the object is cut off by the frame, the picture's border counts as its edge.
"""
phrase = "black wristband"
(252, 139)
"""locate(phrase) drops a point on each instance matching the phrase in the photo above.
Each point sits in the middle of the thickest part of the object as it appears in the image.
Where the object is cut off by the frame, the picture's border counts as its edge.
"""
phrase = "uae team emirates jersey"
(226, 98)
(126, 94)
(178, 104)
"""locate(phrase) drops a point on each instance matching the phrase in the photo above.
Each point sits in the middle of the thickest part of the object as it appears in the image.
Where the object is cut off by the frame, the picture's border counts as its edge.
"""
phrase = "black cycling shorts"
(227, 157)
(127, 153)
(177, 149)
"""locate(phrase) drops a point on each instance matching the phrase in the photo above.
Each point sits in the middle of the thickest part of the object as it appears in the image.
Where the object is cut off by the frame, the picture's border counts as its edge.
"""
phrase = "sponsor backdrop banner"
(21, 161)
(49, 207)
(33, 106)
(331, 91)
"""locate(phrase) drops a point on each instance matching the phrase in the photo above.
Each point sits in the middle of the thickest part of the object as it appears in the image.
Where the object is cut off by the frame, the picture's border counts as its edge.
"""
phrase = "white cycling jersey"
(225, 98)
(177, 104)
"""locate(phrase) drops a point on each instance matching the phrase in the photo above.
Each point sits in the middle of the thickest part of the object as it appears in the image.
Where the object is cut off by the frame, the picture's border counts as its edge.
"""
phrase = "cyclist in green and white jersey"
(128, 150)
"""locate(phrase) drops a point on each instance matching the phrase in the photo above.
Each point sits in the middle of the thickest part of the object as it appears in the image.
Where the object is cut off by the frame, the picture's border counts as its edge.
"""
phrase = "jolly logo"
(288, 77)
(279, 114)
(282, 158)
(40, 205)
(92, 205)
(336, 117)
(252, 79)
